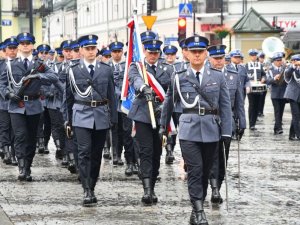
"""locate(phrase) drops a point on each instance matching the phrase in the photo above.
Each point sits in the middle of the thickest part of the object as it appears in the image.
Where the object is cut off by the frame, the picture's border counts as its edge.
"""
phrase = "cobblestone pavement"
(269, 192)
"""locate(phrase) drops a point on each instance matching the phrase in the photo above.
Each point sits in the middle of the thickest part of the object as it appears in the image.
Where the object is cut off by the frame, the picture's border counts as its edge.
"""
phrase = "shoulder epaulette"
(180, 72)
(232, 71)
(215, 69)
(74, 64)
(103, 63)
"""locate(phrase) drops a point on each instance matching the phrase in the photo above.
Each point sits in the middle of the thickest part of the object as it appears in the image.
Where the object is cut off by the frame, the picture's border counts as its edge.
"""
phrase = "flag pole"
(144, 72)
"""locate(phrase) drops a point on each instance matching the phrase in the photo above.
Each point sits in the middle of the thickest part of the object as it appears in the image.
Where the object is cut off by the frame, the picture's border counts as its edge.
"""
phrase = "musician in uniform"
(22, 84)
(275, 78)
(292, 93)
(150, 145)
(257, 77)
(10, 48)
(91, 108)
(217, 61)
(205, 101)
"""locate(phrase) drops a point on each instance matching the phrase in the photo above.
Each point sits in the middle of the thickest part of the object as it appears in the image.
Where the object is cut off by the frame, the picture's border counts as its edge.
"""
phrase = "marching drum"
(258, 87)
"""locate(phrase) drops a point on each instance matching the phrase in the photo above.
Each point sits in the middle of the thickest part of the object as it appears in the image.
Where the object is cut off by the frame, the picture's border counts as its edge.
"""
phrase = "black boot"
(147, 197)
(120, 161)
(13, 157)
(198, 216)
(65, 161)
(1, 153)
(7, 156)
(135, 168)
(129, 169)
(215, 194)
(59, 153)
(28, 171)
(41, 146)
(46, 151)
(22, 171)
(87, 198)
(154, 197)
(169, 156)
(71, 165)
(106, 153)
(93, 184)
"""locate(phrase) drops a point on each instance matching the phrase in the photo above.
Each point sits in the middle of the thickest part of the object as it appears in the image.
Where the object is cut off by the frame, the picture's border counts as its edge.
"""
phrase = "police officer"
(23, 89)
(59, 55)
(205, 100)
(105, 53)
(44, 128)
(292, 93)
(150, 145)
(2, 64)
(255, 73)
(10, 48)
(184, 51)
(227, 59)
(275, 78)
(217, 61)
(90, 93)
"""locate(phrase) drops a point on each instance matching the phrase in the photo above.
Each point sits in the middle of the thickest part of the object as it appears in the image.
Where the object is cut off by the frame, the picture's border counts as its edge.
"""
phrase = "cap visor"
(196, 48)
(217, 56)
(153, 50)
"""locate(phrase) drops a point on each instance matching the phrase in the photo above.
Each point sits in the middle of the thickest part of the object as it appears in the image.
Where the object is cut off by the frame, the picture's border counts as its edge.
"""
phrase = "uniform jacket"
(244, 79)
(31, 107)
(236, 96)
(277, 90)
(293, 87)
(139, 110)
(260, 72)
(100, 117)
(193, 127)
(3, 100)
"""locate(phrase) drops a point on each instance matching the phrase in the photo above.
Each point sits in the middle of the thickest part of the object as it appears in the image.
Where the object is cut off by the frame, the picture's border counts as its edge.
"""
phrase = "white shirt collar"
(201, 70)
(29, 58)
(87, 64)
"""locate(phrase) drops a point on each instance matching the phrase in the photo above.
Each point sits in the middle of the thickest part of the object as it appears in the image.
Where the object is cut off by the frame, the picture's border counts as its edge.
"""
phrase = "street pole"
(30, 17)
(194, 16)
(107, 24)
(0, 20)
(222, 18)
(126, 20)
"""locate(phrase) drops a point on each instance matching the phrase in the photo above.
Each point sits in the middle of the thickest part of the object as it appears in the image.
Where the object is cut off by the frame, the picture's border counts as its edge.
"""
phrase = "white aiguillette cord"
(10, 76)
(85, 94)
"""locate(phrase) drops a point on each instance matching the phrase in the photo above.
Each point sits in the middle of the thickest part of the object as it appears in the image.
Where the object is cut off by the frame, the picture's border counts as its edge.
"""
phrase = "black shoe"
(280, 131)
(87, 198)
(128, 170)
(135, 168)
(215, 194)
(253, 128)
(115, 162)
(65, 162)
(154, 197)
(106, 153)
(147, 197)
(72, 167)
(169, 159)
(198, 216)
(59, 154)
(22, 171)
(1, 153)
(14, 161)
(46, 151)
(120, 162)
(94, 199)
(41, 147)
(28, 175)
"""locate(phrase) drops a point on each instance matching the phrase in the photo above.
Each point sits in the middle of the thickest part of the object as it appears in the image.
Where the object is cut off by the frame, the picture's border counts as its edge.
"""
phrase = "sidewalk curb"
(4, 219)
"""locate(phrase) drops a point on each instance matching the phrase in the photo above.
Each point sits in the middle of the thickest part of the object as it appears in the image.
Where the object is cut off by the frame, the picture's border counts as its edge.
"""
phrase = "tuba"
(271, 45)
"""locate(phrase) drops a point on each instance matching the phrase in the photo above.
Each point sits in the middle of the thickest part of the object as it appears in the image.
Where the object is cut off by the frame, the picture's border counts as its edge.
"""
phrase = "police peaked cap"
(43, 48)
(196, 42)
(12, 41)
(170, 49)
(152, 45)
(88, 40)
(26, 37)
(116, 46)
(216, 50)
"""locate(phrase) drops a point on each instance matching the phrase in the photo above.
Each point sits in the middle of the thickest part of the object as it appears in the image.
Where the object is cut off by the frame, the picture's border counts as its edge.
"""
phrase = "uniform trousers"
(278, 105)
(295, 109)
(6, 133)
(90, 145)
(25, 132)
(199, 158)
(261, 104)
(254, 99)
(150, 150)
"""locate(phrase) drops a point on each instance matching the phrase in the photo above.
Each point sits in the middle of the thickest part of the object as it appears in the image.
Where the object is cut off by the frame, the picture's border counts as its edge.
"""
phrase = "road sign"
(149, 21)
(6, 23)
(185, 10)
(169, 40)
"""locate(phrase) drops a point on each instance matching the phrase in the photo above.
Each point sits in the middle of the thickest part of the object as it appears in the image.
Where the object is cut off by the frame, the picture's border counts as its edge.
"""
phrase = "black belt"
(93, 103)
(201, 111)
(30, 97)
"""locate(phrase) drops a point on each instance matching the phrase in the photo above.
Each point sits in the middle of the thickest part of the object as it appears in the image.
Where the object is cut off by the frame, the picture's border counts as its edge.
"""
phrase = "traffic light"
(181, 28)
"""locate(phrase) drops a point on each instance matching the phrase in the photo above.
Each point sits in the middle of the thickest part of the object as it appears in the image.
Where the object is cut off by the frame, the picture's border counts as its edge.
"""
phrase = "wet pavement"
(269, 190)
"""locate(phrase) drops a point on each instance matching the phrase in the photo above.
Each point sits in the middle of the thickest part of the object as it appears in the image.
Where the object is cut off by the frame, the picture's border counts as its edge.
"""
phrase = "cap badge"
(196, 39)
(90, 37)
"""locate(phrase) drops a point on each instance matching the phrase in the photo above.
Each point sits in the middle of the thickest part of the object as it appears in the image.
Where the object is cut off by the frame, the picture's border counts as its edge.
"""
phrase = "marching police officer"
(275, 78)
(91, 108)
(150, 145)
(105, 53)
(10, 48)
(292, 93)
(255, 73)
(21, 83)
(205, 101)
(217, 61)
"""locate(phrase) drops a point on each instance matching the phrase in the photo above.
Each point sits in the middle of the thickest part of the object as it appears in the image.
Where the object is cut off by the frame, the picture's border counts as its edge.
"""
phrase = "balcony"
(41, 7)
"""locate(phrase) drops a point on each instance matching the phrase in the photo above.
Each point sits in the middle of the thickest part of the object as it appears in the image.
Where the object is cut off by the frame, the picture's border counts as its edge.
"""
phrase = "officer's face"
(197, 57)
(151, 57)
(217, 62)
(67, 54)
(105, 58)
(170, 58)
(89, 53)
(43, 55)
(25, 47)
(11, 51)
(60, 58)
(236, 59)
(50, 57)
(278, 62)
(75, 53)
(253, 58)
(185, 53)
(117, 55)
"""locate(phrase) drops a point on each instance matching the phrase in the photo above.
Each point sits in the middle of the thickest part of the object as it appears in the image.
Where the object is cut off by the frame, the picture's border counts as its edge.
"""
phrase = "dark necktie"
(25, 62)
(236, 67)
(154, 68)
(91, 70)
(117, 67)
(198, 76)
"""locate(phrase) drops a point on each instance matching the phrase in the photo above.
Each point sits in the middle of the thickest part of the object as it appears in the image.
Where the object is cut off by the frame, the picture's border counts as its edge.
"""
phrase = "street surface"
(269, 192)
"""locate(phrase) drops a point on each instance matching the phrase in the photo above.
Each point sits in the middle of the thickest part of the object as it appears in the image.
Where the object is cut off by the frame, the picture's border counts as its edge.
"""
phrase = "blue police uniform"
(25, 107)
(292, 93)
(254, 69)
(147, 137)
(278, 88)
(91, 109)
(199, 128)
